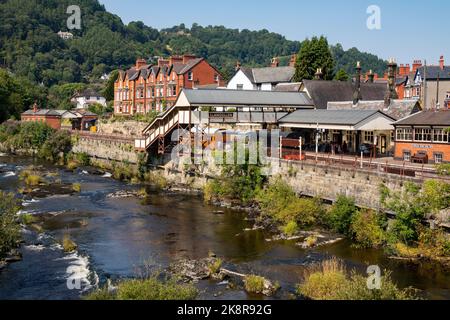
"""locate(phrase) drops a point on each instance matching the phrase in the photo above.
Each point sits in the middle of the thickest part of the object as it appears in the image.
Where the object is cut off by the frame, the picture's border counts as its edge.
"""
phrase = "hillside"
(30, 47)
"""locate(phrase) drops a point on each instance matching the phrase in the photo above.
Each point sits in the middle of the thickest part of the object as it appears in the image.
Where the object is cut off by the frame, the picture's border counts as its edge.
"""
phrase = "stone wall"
(107, 149)
(330, 182)
(124, 128)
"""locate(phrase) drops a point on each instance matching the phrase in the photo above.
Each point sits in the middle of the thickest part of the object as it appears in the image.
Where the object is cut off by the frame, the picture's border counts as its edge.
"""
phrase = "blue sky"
(410, 29)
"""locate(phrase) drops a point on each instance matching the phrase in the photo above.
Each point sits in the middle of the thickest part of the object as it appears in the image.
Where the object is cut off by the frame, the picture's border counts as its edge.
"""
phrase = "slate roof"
(432, 72)
(397, 109)
(269, 74)
(44, 112)
(427, 118)
(288, 87)
(322, 92)
(247, 98)
(333, 117)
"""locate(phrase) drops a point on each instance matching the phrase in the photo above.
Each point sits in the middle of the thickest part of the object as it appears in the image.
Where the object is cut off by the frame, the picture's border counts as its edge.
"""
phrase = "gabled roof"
(322, 92)
(288, 87)
(427, 118)
(397, 109)
(269, 74)
(432, 72)
(207, 97)
(45, 112)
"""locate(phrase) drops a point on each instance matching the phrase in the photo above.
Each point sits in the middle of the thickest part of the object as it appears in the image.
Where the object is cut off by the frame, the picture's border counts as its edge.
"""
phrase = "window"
(438, 158)
(216, 77)
(190, 76)
(447, 95)
(174, 91)
(368, 136)
(440, 135)
(404, 134)
(407, 155)
(423, 135)
(240, 87)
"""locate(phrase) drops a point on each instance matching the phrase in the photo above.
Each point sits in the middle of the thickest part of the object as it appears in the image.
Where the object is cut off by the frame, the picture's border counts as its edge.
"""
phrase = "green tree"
(9, 226)
(108, 91)
(314, 54)
(341, 75)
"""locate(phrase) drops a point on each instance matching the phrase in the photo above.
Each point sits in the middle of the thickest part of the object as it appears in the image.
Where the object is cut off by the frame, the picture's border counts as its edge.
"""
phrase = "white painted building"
(263, 79)
(87, 98)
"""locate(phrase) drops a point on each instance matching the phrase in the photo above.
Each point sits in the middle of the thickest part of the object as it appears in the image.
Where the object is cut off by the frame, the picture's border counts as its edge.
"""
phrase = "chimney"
(441, 62)
(371, 76)
(163, 62)
(416, 65)
(404, 70)
(275, 62)
(188, 57)
(319, 74)
(238, 65)
(391, 93)
(140, 63)
(293, 60)
(357, 92)
(175, 59)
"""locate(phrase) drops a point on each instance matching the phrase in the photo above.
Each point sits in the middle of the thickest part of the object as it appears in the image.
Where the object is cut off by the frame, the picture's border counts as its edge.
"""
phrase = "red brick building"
(423, 133)
(145, 88)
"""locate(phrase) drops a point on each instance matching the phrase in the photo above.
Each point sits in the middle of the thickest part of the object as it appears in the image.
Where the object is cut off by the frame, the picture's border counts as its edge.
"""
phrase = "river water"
(117, 237)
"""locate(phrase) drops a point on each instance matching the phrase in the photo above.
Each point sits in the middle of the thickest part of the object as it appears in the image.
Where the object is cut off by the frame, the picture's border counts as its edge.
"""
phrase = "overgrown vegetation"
(9, 224)
(153, 288)
(254, 284)
(279, 202)
(240, 182)
(36, 137)
(330, 280)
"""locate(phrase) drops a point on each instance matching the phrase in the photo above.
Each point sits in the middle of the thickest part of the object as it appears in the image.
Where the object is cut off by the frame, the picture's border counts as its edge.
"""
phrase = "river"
(116, 237)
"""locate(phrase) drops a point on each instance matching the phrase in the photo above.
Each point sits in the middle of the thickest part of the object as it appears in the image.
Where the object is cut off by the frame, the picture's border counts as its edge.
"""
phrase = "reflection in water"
(120, 235)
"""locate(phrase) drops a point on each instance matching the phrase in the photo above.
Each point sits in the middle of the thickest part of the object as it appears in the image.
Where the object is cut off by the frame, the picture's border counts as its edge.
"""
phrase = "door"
(383, 144)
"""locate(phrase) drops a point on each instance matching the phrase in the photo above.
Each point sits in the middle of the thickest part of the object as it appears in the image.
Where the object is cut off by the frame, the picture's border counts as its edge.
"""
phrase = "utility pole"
(425, 85)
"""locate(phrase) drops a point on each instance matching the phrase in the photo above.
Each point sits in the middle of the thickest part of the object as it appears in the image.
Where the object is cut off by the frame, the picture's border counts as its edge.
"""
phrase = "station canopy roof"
(351, 120)
(244, 98)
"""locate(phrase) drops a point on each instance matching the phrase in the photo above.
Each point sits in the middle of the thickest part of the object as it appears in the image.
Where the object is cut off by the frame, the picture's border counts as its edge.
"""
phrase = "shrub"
(72, 165)
(68, 244)
(330, 281)
(33, 180)
(28, 219)
(156, 179)
(290, 229)
(9, 226)
(83, 159)
(148, 289)
(254, 284)
(280, 202)
(366, 229)
(339, 217)
(56, 146)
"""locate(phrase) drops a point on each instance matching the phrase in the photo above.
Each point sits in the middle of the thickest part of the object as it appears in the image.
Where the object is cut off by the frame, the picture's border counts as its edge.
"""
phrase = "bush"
(281, 203)
(28, 219)
(148, 289)
(56, 146)
(290, 229)
(330, 281)
(339, 217)
(367, 230)
(156, 179)
(33, 180)
(83, 159)
(254, 284)
(9, 226)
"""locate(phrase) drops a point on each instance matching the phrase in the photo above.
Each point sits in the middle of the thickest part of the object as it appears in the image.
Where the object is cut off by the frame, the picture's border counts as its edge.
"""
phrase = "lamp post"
(300, 147)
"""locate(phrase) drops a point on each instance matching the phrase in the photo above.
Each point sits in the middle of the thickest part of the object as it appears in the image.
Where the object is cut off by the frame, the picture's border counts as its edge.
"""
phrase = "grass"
(76, 187)
(68, 244)
(330, 280)
(215, 266)
(152, 288)
(28, 219)
(72, 165)
(254, 284)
